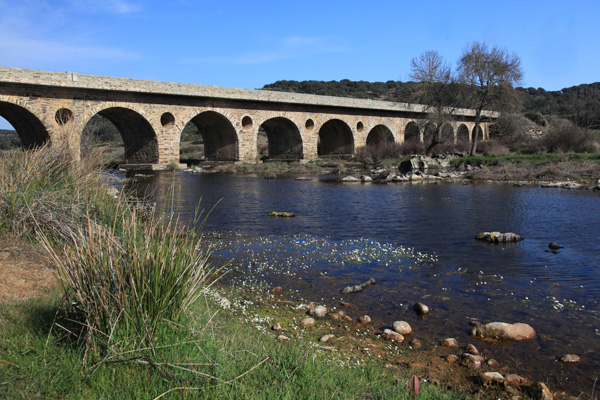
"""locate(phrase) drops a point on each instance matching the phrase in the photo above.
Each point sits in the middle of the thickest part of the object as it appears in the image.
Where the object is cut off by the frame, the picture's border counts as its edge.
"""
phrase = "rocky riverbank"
(349, 339)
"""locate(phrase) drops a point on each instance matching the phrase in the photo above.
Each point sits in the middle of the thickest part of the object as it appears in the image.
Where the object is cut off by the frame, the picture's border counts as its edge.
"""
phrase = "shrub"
(564, 136)
(492, 148)
(374, 153)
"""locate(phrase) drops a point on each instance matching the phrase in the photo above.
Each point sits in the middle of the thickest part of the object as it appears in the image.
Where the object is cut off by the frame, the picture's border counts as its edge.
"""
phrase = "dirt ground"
(24, 270)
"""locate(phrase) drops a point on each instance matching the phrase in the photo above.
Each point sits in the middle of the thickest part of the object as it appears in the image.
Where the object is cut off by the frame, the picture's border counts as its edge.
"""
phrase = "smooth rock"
(350, 178)
(276, 290)
(415, 344)
(392, 335)
(540, 391)
(493, 363)
(277, 327)
(554, 246)
(497, 237)
(421, 309)
(504, 331)
(492, 377)
(402, 327)
(366, 179)
(450, 342)
(326, 338)
(365, 319)
(570, 359)
(472, 358)
(358, 288)
(311, 305)
(307, 322)
(319, 311)
(471, 349)
(513, 378)
(281, 337)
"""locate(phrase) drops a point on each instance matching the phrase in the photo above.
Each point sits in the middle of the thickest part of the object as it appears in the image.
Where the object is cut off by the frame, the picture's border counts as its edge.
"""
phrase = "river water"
(417, 242)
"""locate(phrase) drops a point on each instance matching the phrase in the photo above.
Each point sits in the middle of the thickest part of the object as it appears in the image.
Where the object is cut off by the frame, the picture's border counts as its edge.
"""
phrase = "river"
(417, 242)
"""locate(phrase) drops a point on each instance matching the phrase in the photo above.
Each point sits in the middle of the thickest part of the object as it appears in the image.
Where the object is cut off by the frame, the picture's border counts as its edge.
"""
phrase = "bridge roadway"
(151, 115)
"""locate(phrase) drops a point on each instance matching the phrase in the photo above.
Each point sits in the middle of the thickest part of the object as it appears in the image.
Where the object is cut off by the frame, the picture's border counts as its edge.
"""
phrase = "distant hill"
(579, 103)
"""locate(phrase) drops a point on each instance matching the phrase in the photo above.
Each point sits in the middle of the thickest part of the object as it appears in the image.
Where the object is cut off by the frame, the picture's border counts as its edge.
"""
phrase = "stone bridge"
(151, 116)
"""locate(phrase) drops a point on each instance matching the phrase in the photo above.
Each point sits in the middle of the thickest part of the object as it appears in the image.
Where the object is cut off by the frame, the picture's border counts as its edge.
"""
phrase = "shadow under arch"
(139, 138)
(412, 132)
(462, 133)
(30, 129)
(335, 138)
(218, 134)
(285, 141)
(380, 134)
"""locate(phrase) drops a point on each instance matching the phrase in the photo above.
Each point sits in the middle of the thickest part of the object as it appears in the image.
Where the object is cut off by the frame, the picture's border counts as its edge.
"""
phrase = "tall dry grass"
(122, 275)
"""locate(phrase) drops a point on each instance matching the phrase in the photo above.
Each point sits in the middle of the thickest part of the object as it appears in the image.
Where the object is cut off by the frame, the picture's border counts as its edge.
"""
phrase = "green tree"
(493, 72)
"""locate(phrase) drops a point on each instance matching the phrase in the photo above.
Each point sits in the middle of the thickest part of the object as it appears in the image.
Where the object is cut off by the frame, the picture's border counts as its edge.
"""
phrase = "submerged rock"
(358, 288)
(497, 237)
(281, 214)
(570, 359)
(350, 179)
(554, 246)
(421, 309)
(504, 331)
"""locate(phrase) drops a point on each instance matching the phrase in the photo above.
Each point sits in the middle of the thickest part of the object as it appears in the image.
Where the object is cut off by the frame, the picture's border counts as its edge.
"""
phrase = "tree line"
(580, 104)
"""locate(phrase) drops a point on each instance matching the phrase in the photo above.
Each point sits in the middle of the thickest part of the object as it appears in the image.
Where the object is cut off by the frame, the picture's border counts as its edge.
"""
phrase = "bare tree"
(436, 88)
(493, 72)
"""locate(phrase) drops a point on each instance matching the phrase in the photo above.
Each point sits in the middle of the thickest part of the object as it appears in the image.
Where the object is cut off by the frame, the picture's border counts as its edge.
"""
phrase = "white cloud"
(20, 50)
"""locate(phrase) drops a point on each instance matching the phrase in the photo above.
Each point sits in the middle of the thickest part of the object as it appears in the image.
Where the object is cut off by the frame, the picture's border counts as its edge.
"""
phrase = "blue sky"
(248, 44)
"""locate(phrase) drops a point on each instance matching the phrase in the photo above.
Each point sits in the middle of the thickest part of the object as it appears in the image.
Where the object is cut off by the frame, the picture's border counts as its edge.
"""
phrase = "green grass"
(534, 159)
(215, 356)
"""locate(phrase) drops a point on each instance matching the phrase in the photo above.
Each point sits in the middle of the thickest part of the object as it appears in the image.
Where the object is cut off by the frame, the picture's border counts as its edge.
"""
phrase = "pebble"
(277, 327)
(451, 358)
(421, 309)
(311, 305)
(471, 349)
(276, 290)
(281, 337)
(319, 311)
(392, 335)
(513, 378)
(493, 363)
(402, 327)
(365, 319)
(326, 338)
(308, 322)
(450, 342)
(554, 246)
(416, 344)
(570, 359)
(491, 377)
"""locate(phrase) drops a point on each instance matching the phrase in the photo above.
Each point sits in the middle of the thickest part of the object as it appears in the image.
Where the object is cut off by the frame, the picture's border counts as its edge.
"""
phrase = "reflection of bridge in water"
(151, 115)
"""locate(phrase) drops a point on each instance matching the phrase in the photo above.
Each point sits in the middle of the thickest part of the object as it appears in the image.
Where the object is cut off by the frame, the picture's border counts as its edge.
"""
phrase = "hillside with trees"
(580, 104)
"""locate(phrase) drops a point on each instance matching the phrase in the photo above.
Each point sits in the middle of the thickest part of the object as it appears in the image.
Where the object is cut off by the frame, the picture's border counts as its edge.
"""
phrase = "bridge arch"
(380, 134)
(284, 139)
(447, 131)
(335, 138)
(139, 138)
(462, 133)
(412, 132)
(31, 130)
(218, 134)
(478, 131)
